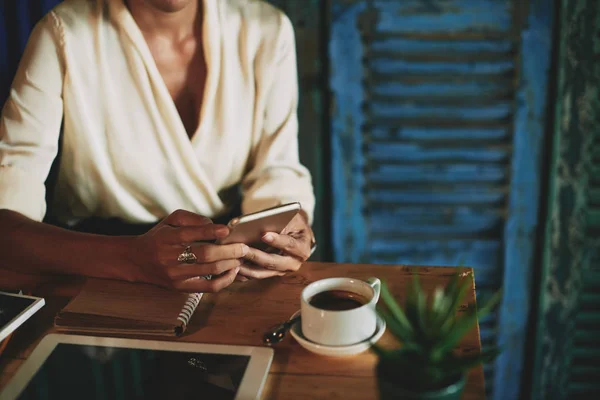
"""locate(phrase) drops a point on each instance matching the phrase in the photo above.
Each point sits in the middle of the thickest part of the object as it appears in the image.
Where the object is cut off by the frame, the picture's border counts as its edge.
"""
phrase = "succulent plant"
(429, 330)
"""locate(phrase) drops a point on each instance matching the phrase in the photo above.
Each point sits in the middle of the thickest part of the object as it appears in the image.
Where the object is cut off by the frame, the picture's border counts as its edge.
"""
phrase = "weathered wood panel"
(437, 133)
(568, 332)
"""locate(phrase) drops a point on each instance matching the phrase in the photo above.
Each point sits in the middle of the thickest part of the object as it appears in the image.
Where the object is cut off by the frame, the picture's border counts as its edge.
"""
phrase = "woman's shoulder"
(257, 16)
(266, 30)
(75, 15)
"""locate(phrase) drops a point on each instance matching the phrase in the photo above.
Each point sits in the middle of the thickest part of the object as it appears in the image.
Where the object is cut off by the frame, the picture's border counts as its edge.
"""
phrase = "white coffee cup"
(340, 327)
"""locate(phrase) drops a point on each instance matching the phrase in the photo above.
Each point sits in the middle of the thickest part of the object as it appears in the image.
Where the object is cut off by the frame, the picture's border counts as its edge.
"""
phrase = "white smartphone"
(250, 228)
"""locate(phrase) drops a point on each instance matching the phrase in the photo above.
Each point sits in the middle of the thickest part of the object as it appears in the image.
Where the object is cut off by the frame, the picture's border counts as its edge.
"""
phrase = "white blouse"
(125, 150)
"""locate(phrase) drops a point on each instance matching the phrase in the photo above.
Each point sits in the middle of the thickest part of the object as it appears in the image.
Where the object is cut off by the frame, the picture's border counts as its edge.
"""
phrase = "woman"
(164, 105)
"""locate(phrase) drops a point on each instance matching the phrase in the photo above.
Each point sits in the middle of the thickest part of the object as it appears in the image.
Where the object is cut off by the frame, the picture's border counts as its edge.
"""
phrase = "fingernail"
(245, 250)
(237, 270)
(222, 230)
(268, 238)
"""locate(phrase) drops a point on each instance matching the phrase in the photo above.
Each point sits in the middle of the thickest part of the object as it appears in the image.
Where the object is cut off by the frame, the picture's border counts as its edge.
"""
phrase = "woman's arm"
(30, 123)
(277, 176)
(34, 247)
(29, 131)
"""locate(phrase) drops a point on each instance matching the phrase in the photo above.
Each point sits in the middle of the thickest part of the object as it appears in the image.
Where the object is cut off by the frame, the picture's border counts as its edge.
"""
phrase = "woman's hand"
(156, 253)
(294, 245)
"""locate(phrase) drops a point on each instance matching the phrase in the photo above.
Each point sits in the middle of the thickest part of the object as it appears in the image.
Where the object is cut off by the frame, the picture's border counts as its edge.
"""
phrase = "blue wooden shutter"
(568, 332)
(437, 132)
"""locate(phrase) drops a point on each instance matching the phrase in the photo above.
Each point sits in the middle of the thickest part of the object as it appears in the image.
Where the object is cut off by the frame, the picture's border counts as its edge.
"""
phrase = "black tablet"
(86, 367)
(16, 309)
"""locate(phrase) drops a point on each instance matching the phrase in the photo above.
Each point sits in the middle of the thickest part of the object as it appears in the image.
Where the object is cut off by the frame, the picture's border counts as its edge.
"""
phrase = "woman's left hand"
(294, 244)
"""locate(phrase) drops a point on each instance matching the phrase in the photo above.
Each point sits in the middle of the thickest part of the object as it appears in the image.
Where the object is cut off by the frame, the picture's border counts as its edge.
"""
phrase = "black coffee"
(337, 300)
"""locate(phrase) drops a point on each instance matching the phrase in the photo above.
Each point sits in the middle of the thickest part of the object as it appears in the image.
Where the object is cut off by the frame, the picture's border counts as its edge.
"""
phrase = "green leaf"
(378, 350)
(439, 306)
(396, 327)
(415, 307)
(489, 355)
(461, 290)
(396, 312)
(444, 304)
(461, 364)
(411, 308)
(491, 303)
(413, 346)
(458, 331)
(421, 304)
(437, 303)
(456, 297)
(462, 326)
(453, 284)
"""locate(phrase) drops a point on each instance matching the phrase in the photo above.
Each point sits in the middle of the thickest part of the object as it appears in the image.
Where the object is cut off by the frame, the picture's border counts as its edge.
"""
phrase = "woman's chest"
(182, 68)
(129, 112)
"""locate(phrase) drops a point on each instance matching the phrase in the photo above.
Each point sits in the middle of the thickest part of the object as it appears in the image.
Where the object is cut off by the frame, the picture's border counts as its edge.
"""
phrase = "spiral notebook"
(117, 307)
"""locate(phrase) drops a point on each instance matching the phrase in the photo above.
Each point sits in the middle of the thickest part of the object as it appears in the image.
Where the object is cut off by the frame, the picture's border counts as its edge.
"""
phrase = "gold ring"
(187, 256)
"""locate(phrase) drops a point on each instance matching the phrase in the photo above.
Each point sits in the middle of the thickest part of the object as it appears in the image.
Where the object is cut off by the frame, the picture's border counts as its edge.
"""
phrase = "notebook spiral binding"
(188, 308)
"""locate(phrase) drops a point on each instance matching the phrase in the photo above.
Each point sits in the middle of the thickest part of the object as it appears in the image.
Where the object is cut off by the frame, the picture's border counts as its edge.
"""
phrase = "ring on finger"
(188, 256)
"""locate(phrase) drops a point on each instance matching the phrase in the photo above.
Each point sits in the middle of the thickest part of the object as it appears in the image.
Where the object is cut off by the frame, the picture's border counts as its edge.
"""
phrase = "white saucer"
(336, 351)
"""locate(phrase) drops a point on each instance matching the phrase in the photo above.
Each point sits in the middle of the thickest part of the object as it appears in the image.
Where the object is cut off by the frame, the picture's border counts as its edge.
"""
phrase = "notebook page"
(126, 300)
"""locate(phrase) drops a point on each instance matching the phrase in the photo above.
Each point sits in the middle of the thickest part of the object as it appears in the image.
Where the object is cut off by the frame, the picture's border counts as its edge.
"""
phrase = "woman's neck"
(177, 24)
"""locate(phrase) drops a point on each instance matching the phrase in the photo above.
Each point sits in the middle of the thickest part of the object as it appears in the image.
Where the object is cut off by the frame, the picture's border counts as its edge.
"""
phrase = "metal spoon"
(277, 333)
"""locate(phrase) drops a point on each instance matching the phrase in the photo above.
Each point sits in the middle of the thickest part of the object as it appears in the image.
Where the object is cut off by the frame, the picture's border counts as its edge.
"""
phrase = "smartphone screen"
(249, 229)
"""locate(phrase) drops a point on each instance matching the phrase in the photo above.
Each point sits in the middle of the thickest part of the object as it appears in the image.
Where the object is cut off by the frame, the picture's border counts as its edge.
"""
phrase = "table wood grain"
(241, 314)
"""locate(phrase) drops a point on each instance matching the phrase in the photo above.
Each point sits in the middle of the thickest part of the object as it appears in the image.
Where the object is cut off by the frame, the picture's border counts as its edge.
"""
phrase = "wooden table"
(242, 313)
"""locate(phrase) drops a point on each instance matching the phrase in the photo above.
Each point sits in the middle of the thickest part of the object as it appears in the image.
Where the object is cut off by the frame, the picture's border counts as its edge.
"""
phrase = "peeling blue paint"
(383, 109)
(433, 134)
(522, 224)
(427, 47)
(409, 153)
(346, 53)
(442, 158)
(453, 172)
(567, 358)
(400, 66)
(450, 16)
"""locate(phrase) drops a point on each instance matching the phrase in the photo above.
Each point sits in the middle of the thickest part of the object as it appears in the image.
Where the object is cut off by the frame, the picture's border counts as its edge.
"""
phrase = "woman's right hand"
(155, 254)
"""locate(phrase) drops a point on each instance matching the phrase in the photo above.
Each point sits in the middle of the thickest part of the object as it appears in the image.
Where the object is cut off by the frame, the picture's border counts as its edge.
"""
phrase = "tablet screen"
(16, 309)
(11, 306)
(85, 372)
